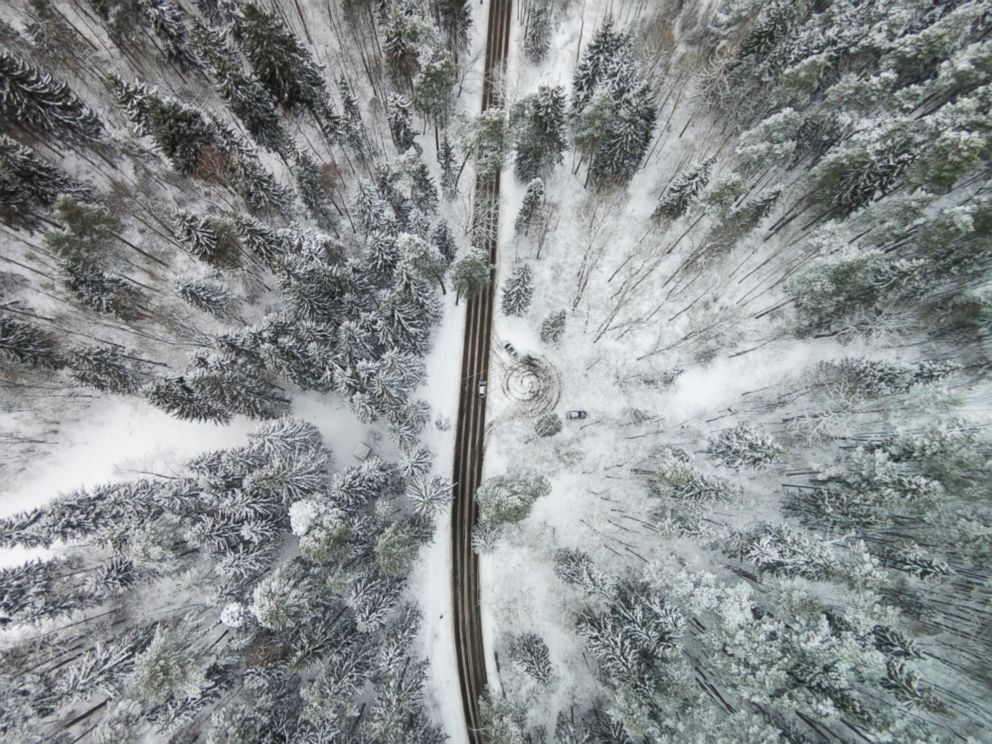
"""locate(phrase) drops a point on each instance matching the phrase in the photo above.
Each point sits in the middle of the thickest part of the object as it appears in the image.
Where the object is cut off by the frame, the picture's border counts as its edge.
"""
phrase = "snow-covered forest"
(737, 447)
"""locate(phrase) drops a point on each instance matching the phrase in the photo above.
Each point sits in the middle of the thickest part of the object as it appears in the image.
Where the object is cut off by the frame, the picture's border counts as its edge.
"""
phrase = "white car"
(511, 350)
(362, 451)
(576, 415)
(482, 388)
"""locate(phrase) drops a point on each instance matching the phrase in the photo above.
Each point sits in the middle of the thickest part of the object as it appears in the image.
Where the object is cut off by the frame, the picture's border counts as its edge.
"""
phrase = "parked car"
(482, 388)
(362, 451)
(575, 414)
(511, 350)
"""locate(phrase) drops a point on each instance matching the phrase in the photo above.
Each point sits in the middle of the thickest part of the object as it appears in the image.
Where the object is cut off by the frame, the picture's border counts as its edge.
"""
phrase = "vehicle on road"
(362, 451)
(575, 415)
(482, 388)
(511, 350)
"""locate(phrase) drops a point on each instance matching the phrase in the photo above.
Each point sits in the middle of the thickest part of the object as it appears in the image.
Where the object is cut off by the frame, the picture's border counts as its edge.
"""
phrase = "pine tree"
(740, 221)
(678, 195)
(210, 296)
(400, 126)
(607, 48)
(538, 124)
(446, 160)
(265, 243)
(532, 206)
(471, 273)
(312, 193)
(771, 142)
(628, 137)
(207, 239)
(433, 89)
(26, 344)
(423, 190)
(184, 135)
(444, 241)
(518, 290)
(509, 498)
(352, 124)
(166, 18)
(488, 139)
(246, 97)
(174, 395)
(34, 102)
(743, 447)
(537, 32)
(553, 328)
(29, 186)
(455, 19)
(282, 64)
(39, 590)
(531, 652)
(105, 368)
(400, 47)
(87, 230)
(98, 289)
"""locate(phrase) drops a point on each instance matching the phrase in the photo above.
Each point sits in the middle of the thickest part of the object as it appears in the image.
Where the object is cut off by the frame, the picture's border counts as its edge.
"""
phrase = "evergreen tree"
(678, 195)
(282, 64)
(446, 160)
(531, 652)
(400, 123)
(105, 368)
(532, 206)
(166, 19)
(444, 241)
(471, 274)
(174, 395)
(204, 294)
(98, 289)
(403, 34)
(207, 238)
(553, 328)
(518, 290)
(266, 244)
(322, 529)
(433, 89)
(509, 498)
(183, 134)
(397, 547)
(489, 141)
(39, 590)
(538, 124)
(25, 344)
(29, 186)
(352, 124)
(34, 102)
(622, 150)
(246, 97)
(743, 447)
(740, 221)
(607, 49)
(455, 19)
(87, 230)
(312, 193)
(537, 32)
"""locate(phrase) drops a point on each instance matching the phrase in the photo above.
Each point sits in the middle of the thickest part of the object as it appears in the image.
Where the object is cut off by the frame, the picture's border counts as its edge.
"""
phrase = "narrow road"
(472, 416)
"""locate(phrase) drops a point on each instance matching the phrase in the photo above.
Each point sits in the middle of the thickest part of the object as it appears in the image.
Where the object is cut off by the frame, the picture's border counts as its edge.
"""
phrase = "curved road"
(472, 416)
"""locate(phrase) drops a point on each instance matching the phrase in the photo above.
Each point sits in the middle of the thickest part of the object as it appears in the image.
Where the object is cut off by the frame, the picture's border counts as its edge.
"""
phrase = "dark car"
(576, 414)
